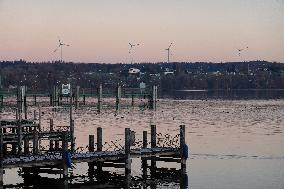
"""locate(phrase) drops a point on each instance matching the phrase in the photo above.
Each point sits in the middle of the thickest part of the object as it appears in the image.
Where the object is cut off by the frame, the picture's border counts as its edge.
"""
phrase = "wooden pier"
(77, 97)
(58, 159)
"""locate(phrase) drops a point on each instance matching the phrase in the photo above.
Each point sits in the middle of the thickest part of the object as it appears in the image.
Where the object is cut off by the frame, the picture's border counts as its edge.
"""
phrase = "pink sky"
(100, 30)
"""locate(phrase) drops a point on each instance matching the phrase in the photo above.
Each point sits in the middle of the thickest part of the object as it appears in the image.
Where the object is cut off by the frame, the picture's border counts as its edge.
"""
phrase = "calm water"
(233, 144)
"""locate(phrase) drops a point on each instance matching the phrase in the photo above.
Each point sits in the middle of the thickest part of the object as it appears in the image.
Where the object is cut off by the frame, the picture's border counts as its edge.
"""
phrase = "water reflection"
(152, 177)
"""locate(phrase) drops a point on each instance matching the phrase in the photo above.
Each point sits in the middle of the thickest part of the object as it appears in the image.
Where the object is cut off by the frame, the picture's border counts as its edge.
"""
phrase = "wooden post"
(4, 145)
(64, 150)
(132, 98)
(72, 135)
(99, 146)
(25, 107)
(1, 156)
(153, 145)
(19, 132)
(145, 139)
(99, 139)
(127, 153)
(26, 146)
(35, 143)
(154, 97)
(1, 103)
(39, 118)
(118, 97)
(77, 96)
(71, 95)
(84, 97)
(91, 149)
(34, 115)
(144, 162)
(182, 145)
(153, 136)
(100, 94)
(51, 129)
(35, 100)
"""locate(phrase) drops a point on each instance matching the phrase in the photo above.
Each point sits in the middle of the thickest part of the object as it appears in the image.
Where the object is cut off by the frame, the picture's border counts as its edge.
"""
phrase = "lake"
(233, 143)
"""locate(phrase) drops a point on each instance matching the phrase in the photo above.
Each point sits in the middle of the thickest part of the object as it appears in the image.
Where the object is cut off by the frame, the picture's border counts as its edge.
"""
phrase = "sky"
(100, 30)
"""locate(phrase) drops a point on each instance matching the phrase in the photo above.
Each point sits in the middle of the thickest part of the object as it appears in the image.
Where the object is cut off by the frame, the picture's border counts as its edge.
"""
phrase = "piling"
(100, 94)
(144, 161)
(182, 145)
(145, 139)
(72, 135)
(99, 146)
(1, 157)
(118, 97)
(1, 102)
(35, 143)
(51, 129)
(64, 151)
(34, 115)
(25, 107)
(153, 145)
(99, 139)
(77, 95)
(35, 103)
(19, 132)
(132, 98)
(26, 146)
(127, 154)
(84, 97)
(91, 149)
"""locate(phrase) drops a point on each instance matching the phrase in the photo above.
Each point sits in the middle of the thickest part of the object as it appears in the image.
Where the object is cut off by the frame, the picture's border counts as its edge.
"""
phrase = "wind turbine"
(168, 49)
(130, 49)
(240, 50)
(61, 44)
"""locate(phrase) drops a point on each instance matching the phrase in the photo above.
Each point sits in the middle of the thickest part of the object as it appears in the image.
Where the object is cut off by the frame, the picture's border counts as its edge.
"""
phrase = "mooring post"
(154, 98)
(26, 146)
(72, 136)
(1, 103)
(144, 162)
(25, 107)
(145, 139)
(153, 145)
(182, 150)
(51, 129)
(91, 149)
(35, 142)
(91, 143)
(19, 132)
(100, 94)
(34, 115)
(132, 98)
(64, 151)
(84, 97)
(39, 118)
(1, 156)
(71, 95)
(99, 145)
(35, 100)
(99, 139)
(118, 97)
(77, 96)
(127, 154)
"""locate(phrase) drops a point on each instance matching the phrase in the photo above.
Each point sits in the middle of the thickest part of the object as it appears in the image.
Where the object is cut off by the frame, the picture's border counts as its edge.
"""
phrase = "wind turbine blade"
(55, 50)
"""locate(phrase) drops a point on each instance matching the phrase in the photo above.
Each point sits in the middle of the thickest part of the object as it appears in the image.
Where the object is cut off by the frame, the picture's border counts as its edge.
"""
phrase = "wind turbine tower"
(168, 49)
(131, 50)
(61, 44)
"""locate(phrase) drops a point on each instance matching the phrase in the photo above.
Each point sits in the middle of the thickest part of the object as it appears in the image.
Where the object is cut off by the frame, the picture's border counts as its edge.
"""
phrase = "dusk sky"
(100, 30)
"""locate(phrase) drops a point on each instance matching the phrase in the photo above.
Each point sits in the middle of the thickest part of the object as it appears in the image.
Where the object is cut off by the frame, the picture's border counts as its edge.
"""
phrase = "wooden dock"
(64, 154)
(77, 97)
